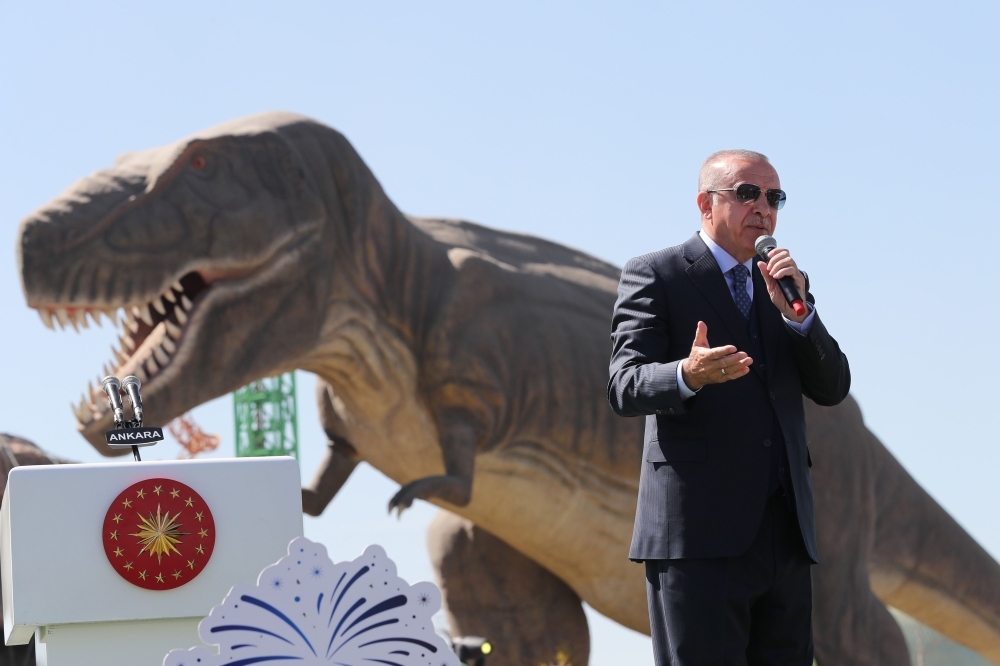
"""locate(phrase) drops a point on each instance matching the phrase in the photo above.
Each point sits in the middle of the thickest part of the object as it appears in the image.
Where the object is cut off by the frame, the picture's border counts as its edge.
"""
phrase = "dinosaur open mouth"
(151, 335)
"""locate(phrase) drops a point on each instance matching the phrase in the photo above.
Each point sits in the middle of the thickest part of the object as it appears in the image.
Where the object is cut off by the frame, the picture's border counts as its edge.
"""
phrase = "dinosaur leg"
(340, 461)
(493, 591)
(850, 624)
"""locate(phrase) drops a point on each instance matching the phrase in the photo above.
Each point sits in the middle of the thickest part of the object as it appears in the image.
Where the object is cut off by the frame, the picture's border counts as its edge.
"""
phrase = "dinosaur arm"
(825, 373)
(642, 382)
(459, 442)
(341, 457)
(340, 461)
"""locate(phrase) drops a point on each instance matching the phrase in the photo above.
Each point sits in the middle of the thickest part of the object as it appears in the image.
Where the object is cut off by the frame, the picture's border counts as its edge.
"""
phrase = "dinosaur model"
(465, 363)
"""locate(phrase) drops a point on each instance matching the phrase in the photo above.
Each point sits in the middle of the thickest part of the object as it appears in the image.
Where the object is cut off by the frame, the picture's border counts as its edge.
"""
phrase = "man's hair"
(718, 166)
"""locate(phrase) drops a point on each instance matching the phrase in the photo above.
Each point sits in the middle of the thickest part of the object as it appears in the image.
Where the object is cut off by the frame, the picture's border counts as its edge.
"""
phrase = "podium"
(116, 563)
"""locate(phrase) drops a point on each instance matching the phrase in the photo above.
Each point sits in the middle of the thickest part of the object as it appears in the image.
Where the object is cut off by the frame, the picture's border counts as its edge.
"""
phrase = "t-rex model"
(467, 364)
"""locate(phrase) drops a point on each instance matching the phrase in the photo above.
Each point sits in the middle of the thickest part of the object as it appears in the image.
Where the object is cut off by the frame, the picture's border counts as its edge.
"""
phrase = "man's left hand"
(780, 264)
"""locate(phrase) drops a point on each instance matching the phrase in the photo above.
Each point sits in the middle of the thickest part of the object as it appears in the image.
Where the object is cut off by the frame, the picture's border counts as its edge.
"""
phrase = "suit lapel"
(704, 271)
(771, 323)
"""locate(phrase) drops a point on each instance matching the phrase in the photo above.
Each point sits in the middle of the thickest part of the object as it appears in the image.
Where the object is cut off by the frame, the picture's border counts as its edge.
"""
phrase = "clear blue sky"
(585, 124)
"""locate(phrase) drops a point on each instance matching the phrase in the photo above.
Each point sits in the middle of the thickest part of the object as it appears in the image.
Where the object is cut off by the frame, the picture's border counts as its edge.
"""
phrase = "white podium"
(74, 543)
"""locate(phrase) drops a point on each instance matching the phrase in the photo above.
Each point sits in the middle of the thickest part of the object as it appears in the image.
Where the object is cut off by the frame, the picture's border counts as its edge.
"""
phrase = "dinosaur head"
(204, 245)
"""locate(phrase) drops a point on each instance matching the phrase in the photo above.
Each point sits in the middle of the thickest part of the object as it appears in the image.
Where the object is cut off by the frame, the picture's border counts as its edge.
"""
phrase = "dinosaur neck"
(384, 273)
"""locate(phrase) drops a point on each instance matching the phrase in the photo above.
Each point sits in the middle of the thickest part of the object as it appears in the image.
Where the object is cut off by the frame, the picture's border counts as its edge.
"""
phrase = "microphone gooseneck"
(112, 388)
(765, 245)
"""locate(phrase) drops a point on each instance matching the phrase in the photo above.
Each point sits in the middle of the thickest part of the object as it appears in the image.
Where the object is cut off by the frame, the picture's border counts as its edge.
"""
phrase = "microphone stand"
(125, 425)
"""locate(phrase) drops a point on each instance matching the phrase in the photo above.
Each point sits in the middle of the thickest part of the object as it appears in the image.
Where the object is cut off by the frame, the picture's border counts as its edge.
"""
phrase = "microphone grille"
(112, 381)
(131, 379)
(764, 244)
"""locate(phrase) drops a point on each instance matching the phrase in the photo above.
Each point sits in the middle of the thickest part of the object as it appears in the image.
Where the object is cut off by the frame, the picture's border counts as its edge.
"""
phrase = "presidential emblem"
(158, 534)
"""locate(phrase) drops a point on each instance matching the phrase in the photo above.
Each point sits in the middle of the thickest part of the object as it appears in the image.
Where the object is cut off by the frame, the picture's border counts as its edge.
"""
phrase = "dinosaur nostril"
(198, 162)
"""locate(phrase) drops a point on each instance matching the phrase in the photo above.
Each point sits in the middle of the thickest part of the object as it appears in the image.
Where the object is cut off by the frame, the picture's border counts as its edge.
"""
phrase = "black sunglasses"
(747, 193)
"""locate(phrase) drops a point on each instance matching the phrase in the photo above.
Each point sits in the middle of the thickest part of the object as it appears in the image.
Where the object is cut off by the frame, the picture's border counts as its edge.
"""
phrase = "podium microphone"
(131, 385)
(765, 245)
(112, 387)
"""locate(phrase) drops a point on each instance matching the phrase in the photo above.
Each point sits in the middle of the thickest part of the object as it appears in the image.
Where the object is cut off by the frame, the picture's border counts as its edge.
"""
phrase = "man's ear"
(704, 202)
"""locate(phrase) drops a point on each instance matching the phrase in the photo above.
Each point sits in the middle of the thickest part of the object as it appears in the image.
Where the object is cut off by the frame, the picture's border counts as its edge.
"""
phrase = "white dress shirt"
(726, 263)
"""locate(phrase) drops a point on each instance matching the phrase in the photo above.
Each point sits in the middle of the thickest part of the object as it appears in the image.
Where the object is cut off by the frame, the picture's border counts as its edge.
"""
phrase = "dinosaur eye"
(198, 162)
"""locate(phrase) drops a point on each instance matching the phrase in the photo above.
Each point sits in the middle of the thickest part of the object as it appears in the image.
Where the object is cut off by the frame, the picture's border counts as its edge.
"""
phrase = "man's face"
(735, 225)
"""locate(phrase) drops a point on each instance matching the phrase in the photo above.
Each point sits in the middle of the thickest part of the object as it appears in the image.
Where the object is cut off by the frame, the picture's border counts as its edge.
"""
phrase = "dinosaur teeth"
(161, 356)
(140, 372)
(170, 295)
(143, 314)
(82, 415)
(172, 330)
(160, 307)
(133, 325)
(96, 316)
(127, 341)
(151, 366)
(46, 316)
(181, 317)
(62, 317)
(186, 302)
(169, 345)
(80, 318)
(176, 286)
(120, 357)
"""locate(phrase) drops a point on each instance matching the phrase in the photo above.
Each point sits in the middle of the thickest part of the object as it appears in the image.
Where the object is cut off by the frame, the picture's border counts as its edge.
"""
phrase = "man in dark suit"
(725, 520)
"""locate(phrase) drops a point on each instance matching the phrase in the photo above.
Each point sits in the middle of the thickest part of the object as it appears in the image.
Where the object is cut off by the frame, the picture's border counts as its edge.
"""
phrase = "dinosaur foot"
(451, 489)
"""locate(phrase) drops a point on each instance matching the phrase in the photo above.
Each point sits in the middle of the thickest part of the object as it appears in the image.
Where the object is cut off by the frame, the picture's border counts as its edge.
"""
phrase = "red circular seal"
(158, 534)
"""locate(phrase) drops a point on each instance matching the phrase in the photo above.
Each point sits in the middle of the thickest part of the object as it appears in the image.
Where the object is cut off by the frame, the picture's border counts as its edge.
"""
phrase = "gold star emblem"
(128, 566)
(117, 518)
(159, 534)
(158, 490)
(159, 578)
(175, 493)
(203, 533)
(127, 503)
(118, 552)
(198, 516)
(114, 535)
(199, 550)
(189, 502)
(190, 564)
(176, 575)
(141, 494)
(142, 575)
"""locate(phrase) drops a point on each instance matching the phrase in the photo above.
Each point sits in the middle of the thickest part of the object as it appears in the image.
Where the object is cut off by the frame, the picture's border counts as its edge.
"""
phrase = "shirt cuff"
(803, 328)
(682, 388)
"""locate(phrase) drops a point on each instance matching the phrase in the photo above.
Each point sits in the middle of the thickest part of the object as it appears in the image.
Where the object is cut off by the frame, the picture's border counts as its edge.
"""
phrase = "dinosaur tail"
(926, 565)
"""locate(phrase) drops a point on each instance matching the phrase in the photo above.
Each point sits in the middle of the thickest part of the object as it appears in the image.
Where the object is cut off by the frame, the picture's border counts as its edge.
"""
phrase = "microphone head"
(111, 381)
(131, 379)
(764, 244)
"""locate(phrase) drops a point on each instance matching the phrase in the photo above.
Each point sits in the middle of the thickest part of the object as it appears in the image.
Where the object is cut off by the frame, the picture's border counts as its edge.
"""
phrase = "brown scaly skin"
(467, 364)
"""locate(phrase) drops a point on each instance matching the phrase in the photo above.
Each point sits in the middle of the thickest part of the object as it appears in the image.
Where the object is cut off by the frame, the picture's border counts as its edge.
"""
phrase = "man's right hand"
(708, 365)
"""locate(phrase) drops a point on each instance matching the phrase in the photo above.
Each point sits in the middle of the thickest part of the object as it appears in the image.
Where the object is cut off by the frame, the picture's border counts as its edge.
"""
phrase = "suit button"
(763, 366)
(772, 395)
(671, 410)
(659, 411)
(767, 442)
(753, 335)
(781, 470)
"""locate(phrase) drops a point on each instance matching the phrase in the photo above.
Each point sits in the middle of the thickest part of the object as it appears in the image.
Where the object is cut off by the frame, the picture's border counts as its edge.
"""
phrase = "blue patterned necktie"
(740, 274)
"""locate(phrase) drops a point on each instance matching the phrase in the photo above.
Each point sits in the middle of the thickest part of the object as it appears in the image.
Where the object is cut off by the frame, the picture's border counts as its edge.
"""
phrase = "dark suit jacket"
(704, 479)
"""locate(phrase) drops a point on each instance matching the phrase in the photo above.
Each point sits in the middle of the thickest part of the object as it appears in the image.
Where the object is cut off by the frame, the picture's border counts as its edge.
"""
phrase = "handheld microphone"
(112, 387)
(764, 246)
(131, 385)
